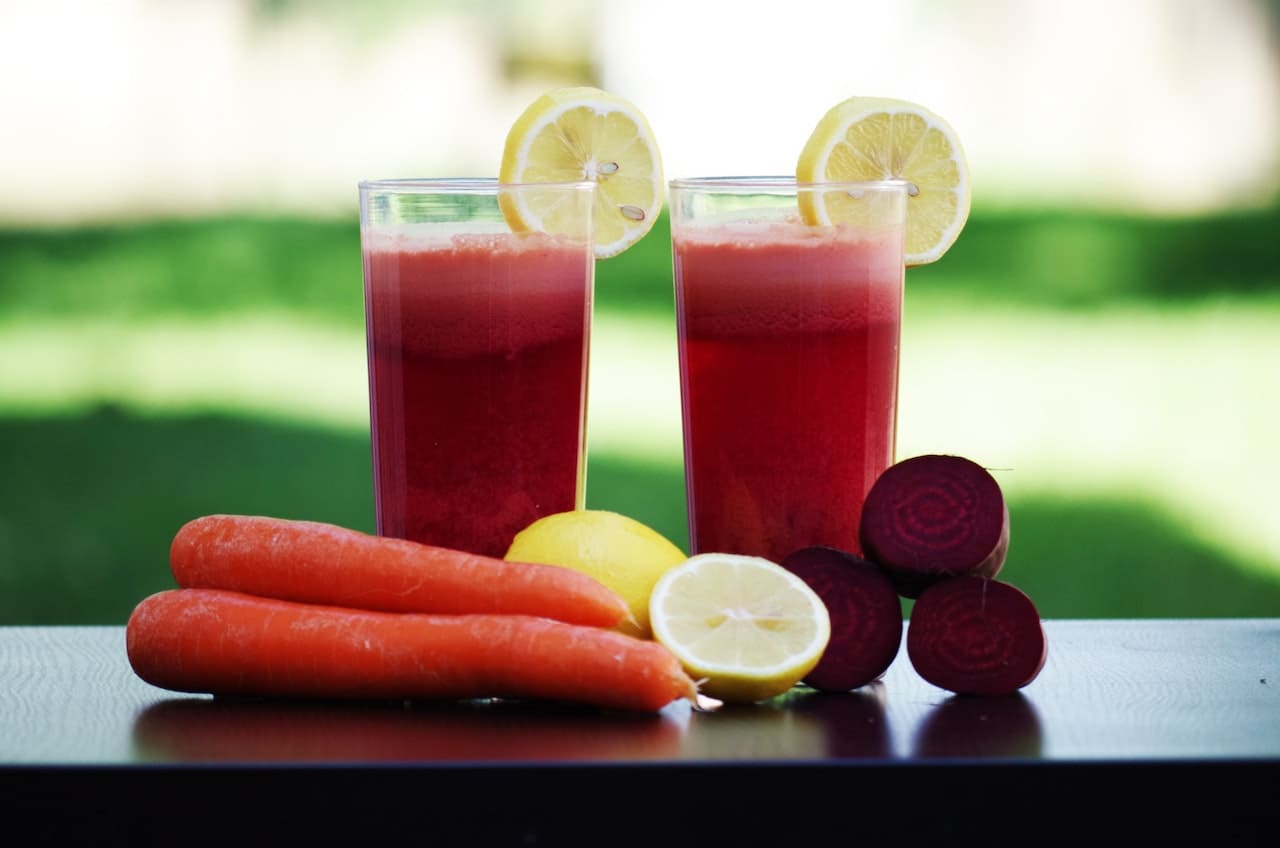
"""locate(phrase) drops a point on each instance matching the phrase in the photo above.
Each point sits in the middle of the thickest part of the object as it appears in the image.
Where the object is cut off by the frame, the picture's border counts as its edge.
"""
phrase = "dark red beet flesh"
(865, 611)
(976, 636)
(932, 517)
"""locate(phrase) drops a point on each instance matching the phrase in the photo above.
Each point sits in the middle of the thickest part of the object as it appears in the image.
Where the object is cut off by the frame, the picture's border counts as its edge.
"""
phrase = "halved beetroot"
(932, 517)
(976, 636)
(865, 611)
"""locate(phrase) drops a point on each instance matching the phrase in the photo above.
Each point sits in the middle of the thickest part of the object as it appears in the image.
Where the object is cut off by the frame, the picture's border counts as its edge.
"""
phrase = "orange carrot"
(230, 643)
(318, 563)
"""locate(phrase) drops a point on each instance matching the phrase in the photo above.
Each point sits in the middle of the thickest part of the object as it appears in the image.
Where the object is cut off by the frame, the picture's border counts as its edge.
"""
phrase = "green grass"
(1120, 371)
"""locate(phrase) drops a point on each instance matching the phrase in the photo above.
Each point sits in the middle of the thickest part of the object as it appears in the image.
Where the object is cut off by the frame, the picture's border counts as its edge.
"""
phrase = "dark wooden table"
(1133, 728)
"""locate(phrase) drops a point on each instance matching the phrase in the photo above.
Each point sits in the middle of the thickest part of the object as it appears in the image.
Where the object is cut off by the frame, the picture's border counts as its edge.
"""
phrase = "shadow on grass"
(652, 494)
(1126, 559)
(90, 504)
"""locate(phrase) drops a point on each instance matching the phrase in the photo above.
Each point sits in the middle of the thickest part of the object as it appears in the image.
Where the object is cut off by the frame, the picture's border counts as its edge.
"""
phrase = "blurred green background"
(1116, 365)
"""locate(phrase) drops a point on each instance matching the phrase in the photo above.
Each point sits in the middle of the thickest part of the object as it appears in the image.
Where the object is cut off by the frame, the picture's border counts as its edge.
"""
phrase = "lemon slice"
(743, 626)
(876, 138)
(578, 133)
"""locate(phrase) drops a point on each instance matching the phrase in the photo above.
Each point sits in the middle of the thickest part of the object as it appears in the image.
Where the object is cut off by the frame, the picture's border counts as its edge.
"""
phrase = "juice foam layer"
(454, 294)
(783, 276)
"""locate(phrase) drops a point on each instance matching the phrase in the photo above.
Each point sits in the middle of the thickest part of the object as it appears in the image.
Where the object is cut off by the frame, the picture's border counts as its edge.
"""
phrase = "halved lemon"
(878, 138)
(584, 133)
(744, 627)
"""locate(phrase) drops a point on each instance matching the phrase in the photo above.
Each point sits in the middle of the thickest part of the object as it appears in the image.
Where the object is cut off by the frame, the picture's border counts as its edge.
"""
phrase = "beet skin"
(932, 517)
(865, 612)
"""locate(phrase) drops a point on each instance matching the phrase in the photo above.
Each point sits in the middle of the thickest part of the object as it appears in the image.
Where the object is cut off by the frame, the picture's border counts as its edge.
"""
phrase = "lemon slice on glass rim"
(744, 627)
(584, 133)
(878, 138)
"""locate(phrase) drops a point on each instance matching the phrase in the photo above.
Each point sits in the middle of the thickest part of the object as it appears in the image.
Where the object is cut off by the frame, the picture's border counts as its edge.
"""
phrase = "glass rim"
(460, 185)
(774, 183)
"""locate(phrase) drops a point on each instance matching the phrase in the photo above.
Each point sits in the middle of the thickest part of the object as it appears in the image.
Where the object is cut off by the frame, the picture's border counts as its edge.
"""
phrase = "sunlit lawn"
(150, 376)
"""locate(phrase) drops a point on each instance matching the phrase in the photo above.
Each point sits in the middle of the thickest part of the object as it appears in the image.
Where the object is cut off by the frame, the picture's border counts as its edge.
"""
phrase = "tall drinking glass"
(477, 351)
(788, 347)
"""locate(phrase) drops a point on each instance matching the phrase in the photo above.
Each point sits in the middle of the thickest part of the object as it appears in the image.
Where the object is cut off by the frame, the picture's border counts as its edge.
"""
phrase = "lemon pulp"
(744, 627)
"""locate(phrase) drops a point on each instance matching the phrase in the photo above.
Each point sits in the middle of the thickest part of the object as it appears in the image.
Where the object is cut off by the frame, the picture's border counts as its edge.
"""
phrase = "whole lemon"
(620, 552)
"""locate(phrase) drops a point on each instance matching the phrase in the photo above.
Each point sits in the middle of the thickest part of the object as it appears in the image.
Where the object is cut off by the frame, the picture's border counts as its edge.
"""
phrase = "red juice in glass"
(788, 338)
(477, 351)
